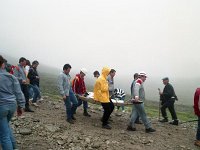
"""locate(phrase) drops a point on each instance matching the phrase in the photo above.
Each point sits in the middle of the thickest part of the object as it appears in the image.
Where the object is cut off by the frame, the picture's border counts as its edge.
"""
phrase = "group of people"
(19, 83)
(16, 83)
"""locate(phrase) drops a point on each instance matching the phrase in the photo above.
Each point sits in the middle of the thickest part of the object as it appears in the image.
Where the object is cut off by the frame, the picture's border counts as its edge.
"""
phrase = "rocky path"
(47, 129)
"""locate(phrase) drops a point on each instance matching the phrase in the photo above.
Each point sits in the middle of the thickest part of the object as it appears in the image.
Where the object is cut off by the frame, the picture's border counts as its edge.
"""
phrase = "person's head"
(83, 72)
(135, 76)
(96, 74)
(22, 61)
(112, 72)
(67, 68)
(142, 76)
(35, 64)
(2, 62)
(165, 80)
(28, 63)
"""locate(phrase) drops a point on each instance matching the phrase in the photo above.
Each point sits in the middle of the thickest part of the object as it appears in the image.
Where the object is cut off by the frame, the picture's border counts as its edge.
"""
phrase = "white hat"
(83, 70)
(142, 73)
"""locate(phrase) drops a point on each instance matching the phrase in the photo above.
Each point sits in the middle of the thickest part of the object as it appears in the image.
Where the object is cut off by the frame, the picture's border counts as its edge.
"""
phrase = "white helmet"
(142, 73)
(83, 70)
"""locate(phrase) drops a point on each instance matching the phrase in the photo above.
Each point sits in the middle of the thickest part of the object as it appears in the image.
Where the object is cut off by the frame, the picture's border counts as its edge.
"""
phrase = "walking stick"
(190, 121)
(159, 106)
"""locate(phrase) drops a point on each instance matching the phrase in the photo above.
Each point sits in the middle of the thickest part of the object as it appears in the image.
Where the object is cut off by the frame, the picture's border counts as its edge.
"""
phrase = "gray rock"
(60, 142)
(25, 131)
(87, 140)
(52, 128)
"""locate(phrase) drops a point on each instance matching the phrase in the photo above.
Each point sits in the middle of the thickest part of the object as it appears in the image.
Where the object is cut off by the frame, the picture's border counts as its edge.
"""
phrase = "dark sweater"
(32, 75)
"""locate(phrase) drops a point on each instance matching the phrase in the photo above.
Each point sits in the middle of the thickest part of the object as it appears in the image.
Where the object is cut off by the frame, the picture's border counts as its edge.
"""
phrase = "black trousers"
(108, 109)
(24, 88)
(170, 105)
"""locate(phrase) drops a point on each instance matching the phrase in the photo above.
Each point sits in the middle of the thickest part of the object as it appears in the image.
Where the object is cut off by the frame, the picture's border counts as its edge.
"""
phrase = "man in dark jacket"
(168, 98)
(34, 82)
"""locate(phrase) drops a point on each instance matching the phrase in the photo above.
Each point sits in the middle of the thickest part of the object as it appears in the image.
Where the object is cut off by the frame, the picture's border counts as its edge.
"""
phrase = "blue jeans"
(30, 91)
(71, 104)
(85, 104)
(36, 91)
(198, 130)
(7, 139)
(139, 110)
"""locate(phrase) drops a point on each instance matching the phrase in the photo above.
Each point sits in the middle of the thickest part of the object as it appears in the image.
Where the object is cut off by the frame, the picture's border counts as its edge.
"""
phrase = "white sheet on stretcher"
(91, 95)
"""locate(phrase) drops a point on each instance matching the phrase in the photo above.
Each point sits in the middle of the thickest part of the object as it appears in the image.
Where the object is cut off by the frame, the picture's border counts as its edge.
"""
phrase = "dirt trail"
(47, 129)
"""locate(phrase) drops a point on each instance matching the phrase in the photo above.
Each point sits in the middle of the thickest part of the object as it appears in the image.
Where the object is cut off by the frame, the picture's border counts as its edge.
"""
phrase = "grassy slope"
(49, 88)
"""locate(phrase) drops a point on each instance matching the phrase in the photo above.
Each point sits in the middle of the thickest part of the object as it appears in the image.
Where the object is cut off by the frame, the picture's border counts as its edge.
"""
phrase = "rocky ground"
(47, 129)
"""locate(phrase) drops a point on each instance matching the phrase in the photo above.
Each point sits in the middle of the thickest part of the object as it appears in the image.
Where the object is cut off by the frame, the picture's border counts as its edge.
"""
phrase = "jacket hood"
(105, 71)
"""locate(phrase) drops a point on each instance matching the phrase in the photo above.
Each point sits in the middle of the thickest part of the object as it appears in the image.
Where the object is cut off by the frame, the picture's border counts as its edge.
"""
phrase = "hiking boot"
(150, 130)
(35, 104)
(197, 143)
(86, 114)
(175, 122)
(73, 118)
(130, 128)
(106, 127)
(70, 121)
(28, 110)
(164, 120)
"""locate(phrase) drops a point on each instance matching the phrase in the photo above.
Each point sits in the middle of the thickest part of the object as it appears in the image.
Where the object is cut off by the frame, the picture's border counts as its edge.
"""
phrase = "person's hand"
(23, 81)
(136, 98)
(20, 111)
(65, 97)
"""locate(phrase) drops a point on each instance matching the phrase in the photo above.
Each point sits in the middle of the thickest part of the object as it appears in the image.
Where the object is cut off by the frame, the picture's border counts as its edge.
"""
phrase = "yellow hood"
(105, 72)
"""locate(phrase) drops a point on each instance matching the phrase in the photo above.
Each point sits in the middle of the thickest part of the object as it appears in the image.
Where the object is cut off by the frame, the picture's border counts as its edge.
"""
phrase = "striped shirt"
(119, 93)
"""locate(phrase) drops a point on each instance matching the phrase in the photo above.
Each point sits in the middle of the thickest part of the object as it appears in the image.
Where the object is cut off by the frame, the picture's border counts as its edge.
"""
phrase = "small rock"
(25, 131)
(87, 140)
(52, 128)
(182, 146)
(60, 142)
(57, 107)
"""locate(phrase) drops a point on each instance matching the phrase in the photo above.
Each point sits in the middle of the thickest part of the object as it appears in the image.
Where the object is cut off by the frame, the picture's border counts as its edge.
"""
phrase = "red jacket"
(78, 85)
(197, 102)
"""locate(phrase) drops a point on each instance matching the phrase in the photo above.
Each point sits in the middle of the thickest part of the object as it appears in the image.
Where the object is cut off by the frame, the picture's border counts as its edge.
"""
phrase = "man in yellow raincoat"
(101, 94)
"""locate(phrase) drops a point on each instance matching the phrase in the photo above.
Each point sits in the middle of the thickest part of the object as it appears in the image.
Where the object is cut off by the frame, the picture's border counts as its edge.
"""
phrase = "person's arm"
(17, 74)
(18, 93)
(60, 86)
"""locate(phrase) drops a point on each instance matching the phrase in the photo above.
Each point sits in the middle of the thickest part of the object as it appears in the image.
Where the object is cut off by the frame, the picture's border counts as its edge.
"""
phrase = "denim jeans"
(36, 91)
(7, 139)
(139, 110)
(198, 130)
(30, 91)
(71, 104)
(85, 104)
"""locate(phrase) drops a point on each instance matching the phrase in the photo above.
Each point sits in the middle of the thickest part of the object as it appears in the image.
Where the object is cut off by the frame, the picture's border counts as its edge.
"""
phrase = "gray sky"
(161, 37)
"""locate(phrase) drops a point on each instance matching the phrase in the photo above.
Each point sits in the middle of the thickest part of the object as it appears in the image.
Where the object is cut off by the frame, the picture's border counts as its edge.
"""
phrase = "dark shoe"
(138, 122)
(70, 121)
(197, 143)
(86, 114)
(73, 118)
(150, 130)
(28, 110)
(164, 120)
(129, 128)
(175, 122)
(106, 127)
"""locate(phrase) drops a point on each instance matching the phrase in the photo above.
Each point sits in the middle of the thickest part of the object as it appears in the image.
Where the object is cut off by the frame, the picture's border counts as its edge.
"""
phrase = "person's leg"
(106, 107)
(123, 98)
(36, 93)
(172, 110)
(163, 112)
(198, 130)
(112, 107)
(134, 115)
(79, 102)
(85, 108)
(74, 102)
(5, 138)
(142, 114)
(9, 117)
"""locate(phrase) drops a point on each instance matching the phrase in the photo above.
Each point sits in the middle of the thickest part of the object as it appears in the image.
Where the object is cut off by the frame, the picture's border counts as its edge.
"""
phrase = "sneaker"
(70, 121)
(35, 104)
(129, 128)
(175, 122)
(73, 118)
(106, 127)
(86, 114)
(164, 120)
(197, 143)
(41, 99)
(150, 130)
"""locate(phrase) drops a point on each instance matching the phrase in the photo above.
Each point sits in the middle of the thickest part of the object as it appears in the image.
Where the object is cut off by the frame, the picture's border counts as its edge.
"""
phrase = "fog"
(161, 38)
